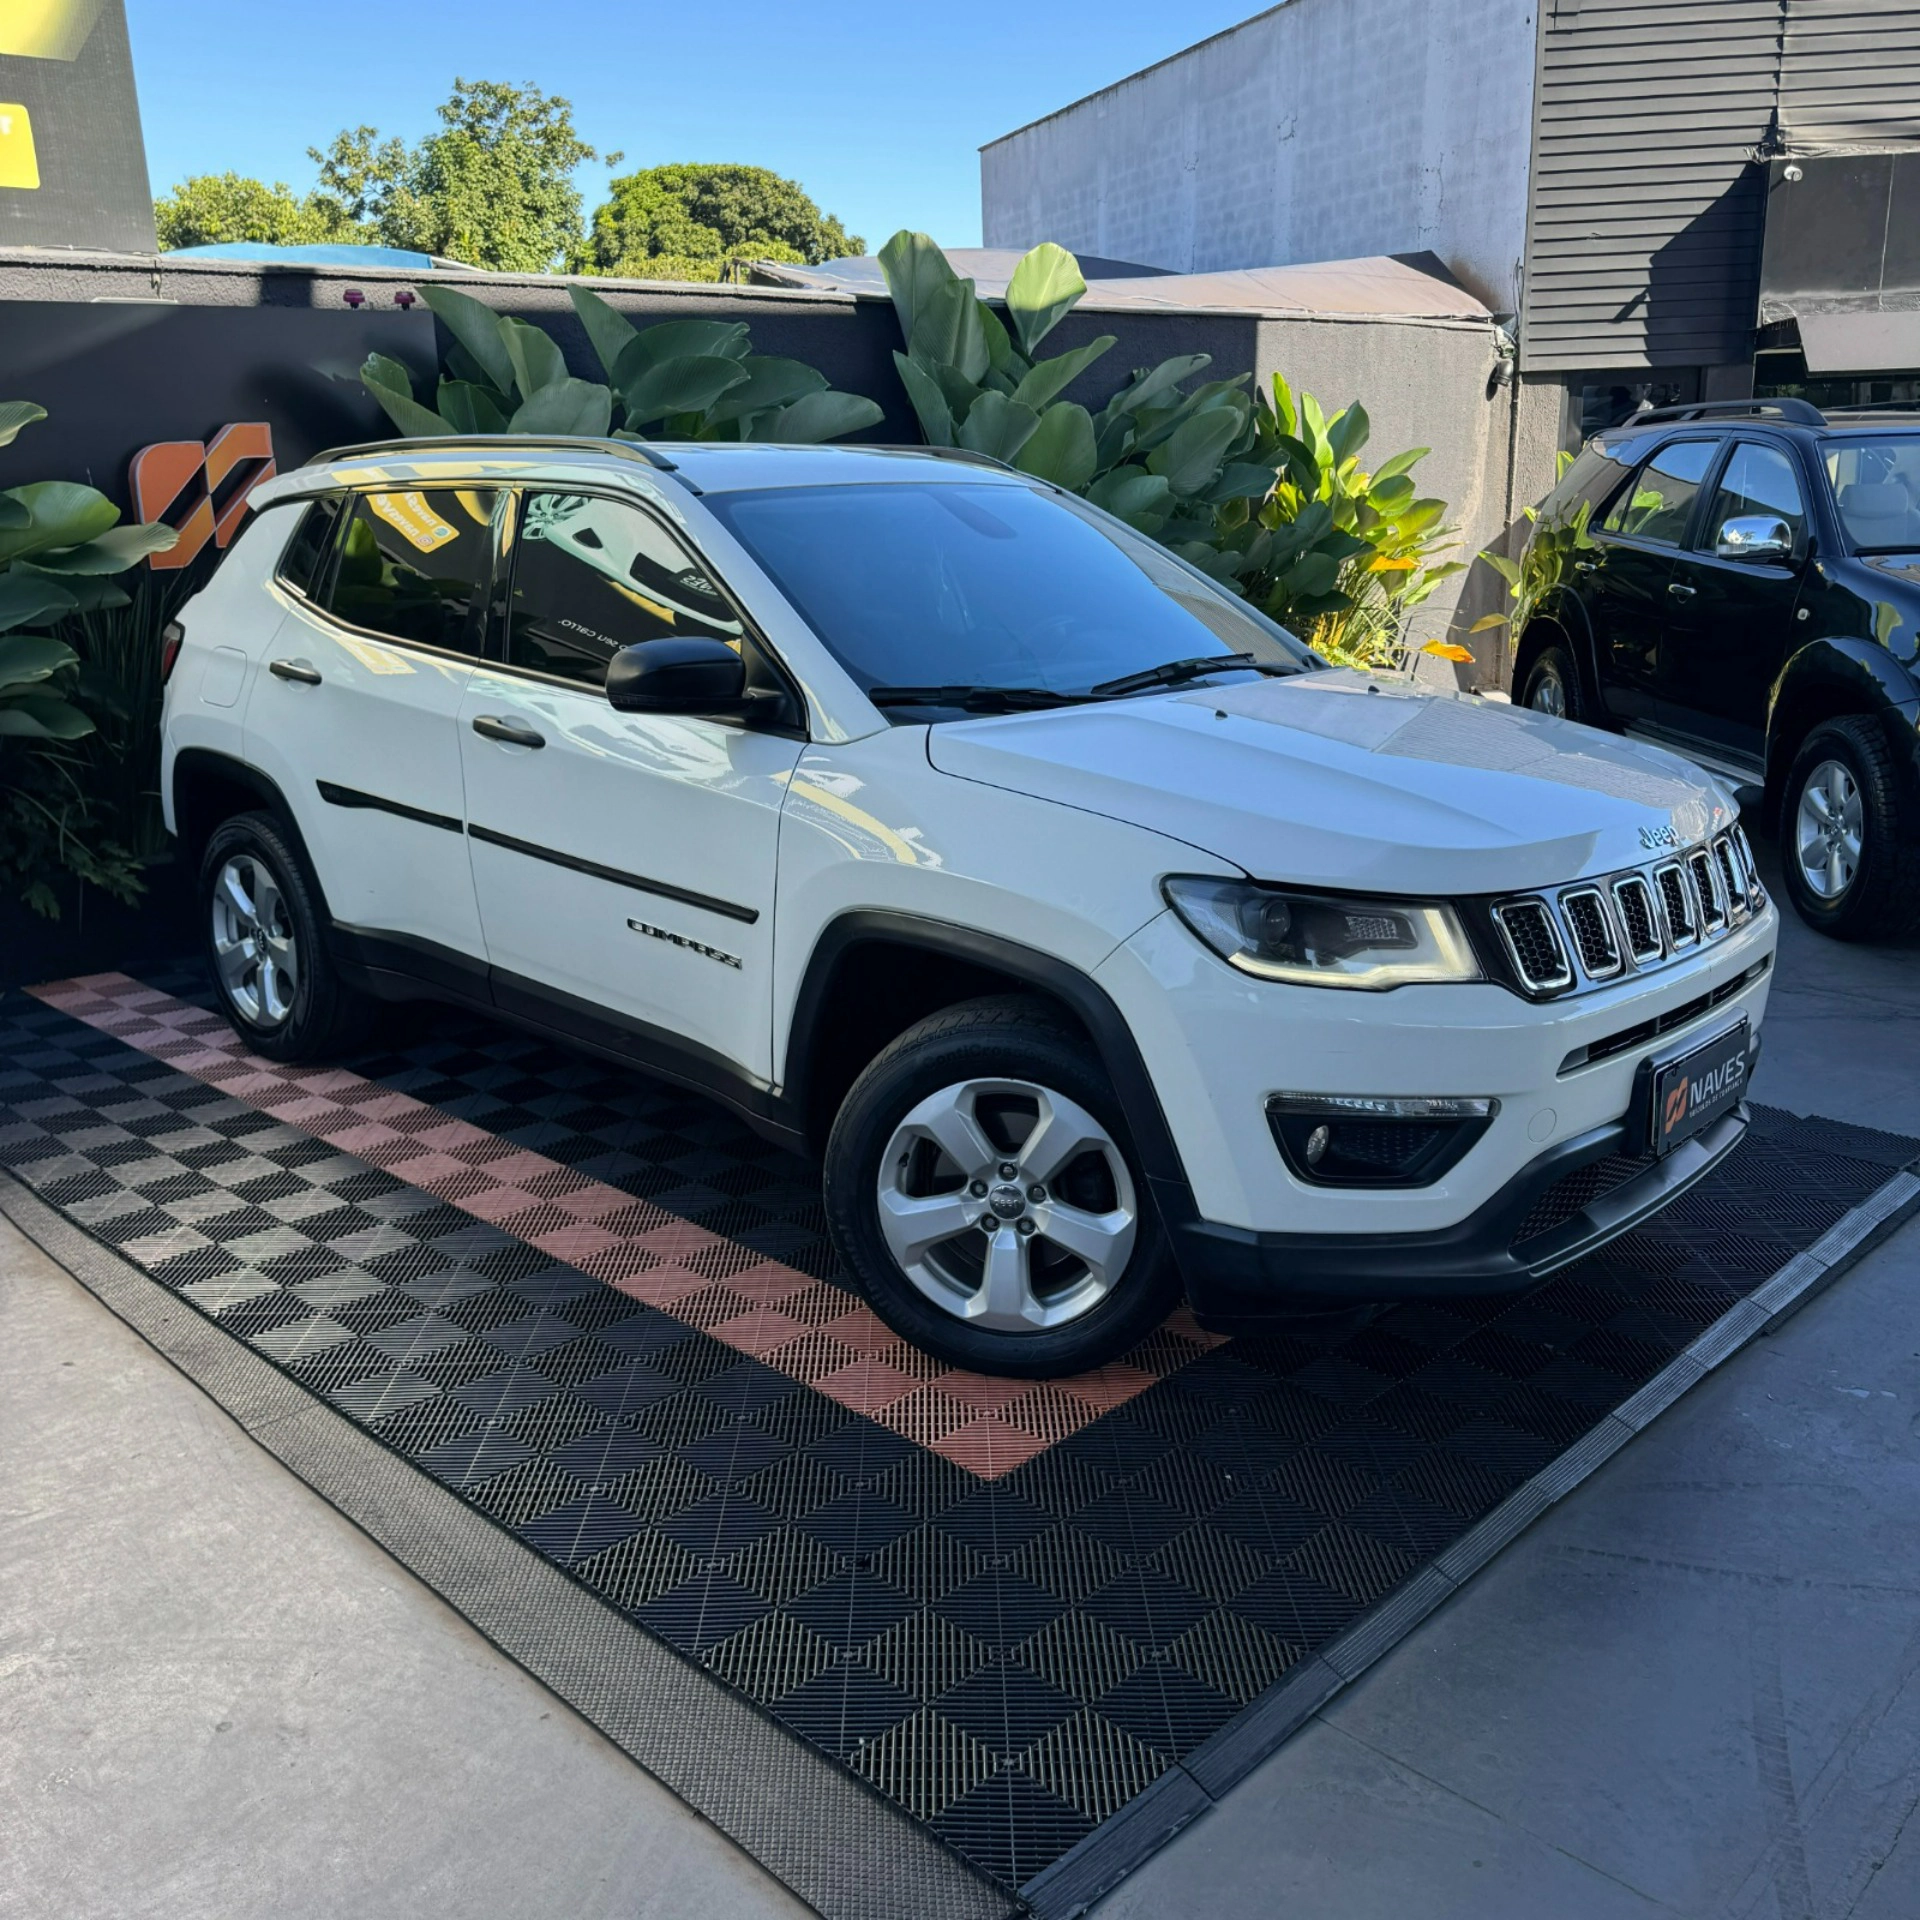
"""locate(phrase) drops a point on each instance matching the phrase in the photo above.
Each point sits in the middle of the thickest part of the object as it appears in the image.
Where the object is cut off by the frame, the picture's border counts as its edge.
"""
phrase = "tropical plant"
(1546, 560)
(682, 379)
(703, 222)
(60, 546)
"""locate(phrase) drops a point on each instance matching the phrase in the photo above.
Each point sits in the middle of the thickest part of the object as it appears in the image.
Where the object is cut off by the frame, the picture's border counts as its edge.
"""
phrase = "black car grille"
(1592, 929)
(1634, 898)
(1572, 1193)
(1683, 917)
(1533, 939)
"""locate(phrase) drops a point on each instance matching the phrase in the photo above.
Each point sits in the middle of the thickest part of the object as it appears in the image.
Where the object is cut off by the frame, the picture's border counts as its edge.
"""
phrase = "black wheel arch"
(1559, 620)
(1828, 679)
(209, 787)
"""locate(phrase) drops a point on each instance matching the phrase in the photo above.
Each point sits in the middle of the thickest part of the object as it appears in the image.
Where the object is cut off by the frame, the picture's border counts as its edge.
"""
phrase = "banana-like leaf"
(959, 392)
(1312, 573)
(1046, 286)
(690, 383)
(470, 409)
(1242, 480)
(477, 329)
(1391, 495)
(111, 552)
(1487, 622)
(915, 270)
(997, 426)
(1051, 378)
(27, 595)
(1003, 357)
(1313, 429)
(13, 513)
(537, 361)
(28, 658)
(389, 383)
(1399, 464)
(1347, 434)
(1508, 570)
(565, 406)
(929, 403)
(1156, 425)
(1061, 447)
(15, 417)
(770, 382)
(815, 417)
(950, 332)
(609, 332)
(92, 592)
(43, 716)
(679, 340)
(1154, 384)
(61, 513)
(1132, 495)
(1190, 459)
(1285, 409)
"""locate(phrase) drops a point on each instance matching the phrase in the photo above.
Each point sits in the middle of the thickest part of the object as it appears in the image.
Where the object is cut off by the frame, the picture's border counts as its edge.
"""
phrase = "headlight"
(1323, 940)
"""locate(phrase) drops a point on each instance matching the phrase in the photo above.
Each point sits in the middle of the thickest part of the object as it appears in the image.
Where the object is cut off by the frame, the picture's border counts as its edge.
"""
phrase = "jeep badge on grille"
(1654, 838)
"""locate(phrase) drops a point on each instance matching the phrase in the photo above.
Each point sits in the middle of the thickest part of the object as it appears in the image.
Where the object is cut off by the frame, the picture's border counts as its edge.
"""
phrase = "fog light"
(1317, 1146)
(1376, 1140)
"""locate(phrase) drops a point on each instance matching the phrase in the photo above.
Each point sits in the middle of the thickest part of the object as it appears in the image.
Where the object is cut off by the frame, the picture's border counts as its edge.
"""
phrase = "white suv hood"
(1337, 779)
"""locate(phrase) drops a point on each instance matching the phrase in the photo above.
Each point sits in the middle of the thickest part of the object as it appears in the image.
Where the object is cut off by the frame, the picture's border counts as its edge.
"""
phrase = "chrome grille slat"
(1705, 881)
(1584, 912)
(1532, 935)
(1639, 919)
(1677, 906)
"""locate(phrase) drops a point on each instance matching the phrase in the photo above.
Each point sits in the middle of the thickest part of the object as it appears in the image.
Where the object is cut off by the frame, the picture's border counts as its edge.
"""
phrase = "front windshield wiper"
(1174, 673)
(973, 699)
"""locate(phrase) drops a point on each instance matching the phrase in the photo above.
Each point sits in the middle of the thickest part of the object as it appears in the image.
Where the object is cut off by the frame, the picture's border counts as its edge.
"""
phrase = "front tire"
(1553, 686)
(1850, 834)
(983, 1192)
(264, 935)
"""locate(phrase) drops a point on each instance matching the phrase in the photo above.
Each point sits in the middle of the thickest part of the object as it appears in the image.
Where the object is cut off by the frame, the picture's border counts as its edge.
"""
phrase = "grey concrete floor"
(1694, 1689)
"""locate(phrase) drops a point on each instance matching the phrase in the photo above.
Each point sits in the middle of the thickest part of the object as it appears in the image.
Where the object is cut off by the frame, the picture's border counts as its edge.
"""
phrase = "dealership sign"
(200, 489)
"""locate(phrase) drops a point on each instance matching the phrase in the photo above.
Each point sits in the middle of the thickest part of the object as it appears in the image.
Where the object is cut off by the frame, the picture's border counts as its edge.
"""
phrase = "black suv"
(1740, 581)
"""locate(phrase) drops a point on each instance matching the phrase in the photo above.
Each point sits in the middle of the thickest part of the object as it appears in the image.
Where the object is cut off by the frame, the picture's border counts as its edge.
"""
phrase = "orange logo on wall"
(165, 472)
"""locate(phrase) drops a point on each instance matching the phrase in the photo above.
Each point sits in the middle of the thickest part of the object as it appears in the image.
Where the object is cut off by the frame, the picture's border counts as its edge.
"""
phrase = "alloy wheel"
(1007, 1205)
(1828, 829)
(253, 942)
(1548, 695)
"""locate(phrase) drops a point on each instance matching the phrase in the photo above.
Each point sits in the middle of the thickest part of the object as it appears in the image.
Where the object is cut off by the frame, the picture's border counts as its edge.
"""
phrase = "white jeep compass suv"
(1107, 945)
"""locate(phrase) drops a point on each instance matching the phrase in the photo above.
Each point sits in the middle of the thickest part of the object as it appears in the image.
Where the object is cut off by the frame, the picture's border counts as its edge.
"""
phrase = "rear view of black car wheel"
(1553, 686)
(1850, 834)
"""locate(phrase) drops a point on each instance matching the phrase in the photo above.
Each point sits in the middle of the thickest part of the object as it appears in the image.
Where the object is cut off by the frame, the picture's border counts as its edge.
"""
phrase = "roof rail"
(948, 453)
(1803, 413)
(514, 442)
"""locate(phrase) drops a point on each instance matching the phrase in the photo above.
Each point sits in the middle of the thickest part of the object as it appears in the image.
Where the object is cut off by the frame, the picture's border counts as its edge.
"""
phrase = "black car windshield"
(1876, 485)
(949, 588)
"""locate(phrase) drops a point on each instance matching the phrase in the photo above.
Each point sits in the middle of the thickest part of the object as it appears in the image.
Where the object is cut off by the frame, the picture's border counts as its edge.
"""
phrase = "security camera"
(1793, 171)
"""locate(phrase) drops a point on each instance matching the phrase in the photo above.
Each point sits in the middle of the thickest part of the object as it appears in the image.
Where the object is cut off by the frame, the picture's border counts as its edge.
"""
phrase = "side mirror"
(1754, 536)
(677, 676)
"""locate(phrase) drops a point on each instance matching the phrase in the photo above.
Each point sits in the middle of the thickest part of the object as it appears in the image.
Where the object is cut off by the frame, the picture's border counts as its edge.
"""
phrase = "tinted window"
(312, 541)
(1876, 485)
(414, 565)
(1658, 502)
(591, 576)
(1758, 480)
(987, 586)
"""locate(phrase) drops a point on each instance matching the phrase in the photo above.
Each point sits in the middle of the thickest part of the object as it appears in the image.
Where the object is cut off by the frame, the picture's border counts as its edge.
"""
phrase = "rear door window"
(414, 564)
(1657, 503)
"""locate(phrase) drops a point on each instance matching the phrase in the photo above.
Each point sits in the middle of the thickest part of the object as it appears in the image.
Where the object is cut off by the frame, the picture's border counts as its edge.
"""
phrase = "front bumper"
(1569, 1201)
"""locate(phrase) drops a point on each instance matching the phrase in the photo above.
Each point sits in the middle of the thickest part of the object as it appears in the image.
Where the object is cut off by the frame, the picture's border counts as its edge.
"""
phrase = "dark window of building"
(1758, 480)
(591, 576)
(1658, 502)
(414, 565)
(304, 561)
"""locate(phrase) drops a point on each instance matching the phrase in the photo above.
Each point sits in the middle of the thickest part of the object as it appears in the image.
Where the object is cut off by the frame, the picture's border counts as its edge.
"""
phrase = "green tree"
(210, 209)
(695, 221)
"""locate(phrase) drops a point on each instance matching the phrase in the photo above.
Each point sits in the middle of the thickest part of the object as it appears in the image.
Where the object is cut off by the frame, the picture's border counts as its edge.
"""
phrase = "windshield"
(950, 586)
(1876, 485)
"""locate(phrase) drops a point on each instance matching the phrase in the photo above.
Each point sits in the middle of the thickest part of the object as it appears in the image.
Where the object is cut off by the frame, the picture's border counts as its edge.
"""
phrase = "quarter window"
(1758, 480)
(592, 575)
(304, 561)
(1657, 502)
(414, 565)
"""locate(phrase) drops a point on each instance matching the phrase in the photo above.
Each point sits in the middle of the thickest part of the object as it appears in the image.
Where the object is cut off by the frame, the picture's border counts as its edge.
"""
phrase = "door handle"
(298, 671)
(490, 728)
(1680, 590)
(1586, 566)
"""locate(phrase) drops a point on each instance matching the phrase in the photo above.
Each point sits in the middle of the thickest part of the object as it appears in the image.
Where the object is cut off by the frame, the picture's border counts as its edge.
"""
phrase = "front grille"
(1627, 1038)
(1713, 909)
(1634, 898)
(1733, 882)
(1574, 1192)
(1592, 929)
(1676, 902)
(1533, 941)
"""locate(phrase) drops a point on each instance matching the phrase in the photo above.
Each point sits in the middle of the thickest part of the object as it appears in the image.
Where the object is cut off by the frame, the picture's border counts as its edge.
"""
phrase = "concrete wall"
(1322, 130)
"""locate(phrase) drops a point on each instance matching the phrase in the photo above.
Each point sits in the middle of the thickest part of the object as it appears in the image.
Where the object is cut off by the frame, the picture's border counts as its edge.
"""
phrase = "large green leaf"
(960, 392)
(997, 426)
(470, 409)
(1348, 433)
(61, 513)
(915, 270)
(1061, 448)
(13, 513)
(566, 407)
(389, 383)
(680, 340)
(1052, 377)
(477, 328)
(537, 360)
(1003, 356)
(111, 552)
(43, 716)
(15, 416)
(1190, 459)
(1131, 495)
(689, 384)
(92, 592)
(1391, 495)
(770, 383)
(818, 416)
(1312, 573)
(28, 658)
(1046, 286)
(1152, 384)
(1284, 409)
(1241, 480)
(1297, 459)
(609, 332)
(949, 331)
(929, 403)
(1399, 464)
(27, 596)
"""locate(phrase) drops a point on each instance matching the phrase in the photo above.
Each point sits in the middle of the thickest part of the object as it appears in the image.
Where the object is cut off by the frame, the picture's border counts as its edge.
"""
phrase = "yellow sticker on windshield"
(19, 164)
(413, 519)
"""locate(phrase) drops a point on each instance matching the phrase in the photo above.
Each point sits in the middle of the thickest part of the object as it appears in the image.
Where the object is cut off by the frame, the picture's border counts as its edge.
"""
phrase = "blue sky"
(877, 109)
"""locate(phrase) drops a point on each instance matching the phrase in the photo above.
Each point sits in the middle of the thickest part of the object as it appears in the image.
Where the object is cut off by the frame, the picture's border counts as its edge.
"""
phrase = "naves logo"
(1698, 1091)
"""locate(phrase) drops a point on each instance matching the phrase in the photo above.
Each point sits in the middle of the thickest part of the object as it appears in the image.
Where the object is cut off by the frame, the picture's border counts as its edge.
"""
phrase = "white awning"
(1866, 340)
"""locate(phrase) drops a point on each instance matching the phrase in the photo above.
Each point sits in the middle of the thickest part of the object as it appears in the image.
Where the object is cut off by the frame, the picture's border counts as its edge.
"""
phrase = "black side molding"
(638, 882)
(338, 796)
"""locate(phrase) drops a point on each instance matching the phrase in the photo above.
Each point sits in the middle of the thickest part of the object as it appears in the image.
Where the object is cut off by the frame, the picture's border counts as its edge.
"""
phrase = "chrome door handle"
(490, 728)
(298, 671)
(1680, 590)
(1586, 566)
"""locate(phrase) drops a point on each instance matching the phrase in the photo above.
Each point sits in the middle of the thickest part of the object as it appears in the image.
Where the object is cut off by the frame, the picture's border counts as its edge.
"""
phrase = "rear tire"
(1553, 686)
(1850, 834)
(984, 1193)
(264, 934)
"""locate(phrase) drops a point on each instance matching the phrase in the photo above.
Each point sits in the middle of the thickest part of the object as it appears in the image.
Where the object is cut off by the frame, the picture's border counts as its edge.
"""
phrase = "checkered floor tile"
(608, 1317)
